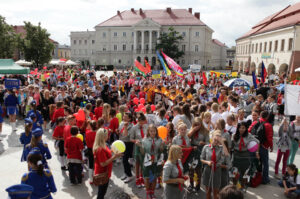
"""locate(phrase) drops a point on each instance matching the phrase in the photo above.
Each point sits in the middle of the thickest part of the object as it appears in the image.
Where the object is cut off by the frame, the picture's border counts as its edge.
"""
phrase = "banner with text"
(292, 100)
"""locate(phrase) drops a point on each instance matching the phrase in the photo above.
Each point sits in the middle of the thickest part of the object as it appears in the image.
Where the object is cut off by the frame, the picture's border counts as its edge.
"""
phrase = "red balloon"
(136, 110)
(142, 101)
(152, 107)
(140, 106)
(143, 109)
(136, 100)
(45, 67)
(80, 115)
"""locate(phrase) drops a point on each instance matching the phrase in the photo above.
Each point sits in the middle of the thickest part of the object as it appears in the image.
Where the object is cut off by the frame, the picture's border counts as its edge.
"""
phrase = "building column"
(143, 38)
(150, 41)
(158, 34)
(135, 41)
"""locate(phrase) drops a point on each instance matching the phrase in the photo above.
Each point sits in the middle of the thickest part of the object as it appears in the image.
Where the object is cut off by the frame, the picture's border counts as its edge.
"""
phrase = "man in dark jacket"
(267, 144)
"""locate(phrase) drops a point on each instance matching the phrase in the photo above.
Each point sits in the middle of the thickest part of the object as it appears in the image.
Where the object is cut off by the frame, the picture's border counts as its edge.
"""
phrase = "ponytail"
(40, 167)
(34, 141)
(28, 128)
(36, 160)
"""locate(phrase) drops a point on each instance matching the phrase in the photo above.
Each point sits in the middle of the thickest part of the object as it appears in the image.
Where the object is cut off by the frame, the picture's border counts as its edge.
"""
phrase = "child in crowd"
(26, 136)
(58, 135)
(291, 182)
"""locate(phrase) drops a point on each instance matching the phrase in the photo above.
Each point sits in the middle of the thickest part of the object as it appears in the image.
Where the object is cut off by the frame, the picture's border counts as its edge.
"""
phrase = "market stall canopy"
(8, 66)
(235, 82)
(23, 62)
(297, 69)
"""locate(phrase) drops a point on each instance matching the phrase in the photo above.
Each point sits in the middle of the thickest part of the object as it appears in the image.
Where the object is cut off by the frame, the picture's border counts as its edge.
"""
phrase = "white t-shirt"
(176, 119)
(293, 183)
(215, 117)
(230, 129)
(225, 115)
(233, 110)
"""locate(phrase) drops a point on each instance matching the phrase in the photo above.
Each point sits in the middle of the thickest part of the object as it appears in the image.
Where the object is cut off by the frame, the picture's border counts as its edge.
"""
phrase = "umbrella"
(237, 82)
(297, 69)
(23, 62)
(280, 87)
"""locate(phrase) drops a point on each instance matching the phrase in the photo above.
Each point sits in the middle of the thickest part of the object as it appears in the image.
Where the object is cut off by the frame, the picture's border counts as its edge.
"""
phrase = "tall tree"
(169, 43)
(8, 41)
(37, 46)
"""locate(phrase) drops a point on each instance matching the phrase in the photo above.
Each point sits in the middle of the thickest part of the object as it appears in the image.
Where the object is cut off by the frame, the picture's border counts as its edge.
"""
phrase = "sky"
(229, 19)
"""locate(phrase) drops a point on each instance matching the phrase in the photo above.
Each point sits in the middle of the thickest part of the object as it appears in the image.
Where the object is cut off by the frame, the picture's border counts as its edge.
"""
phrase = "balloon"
(142, 101)
(140, 106)
(136, 100)
(45, 67)
(143, 109)
(80, 137)
(252, 146)
(162, 132)
(118, 146)
(152, 107)
(136, 110)
(80, 116)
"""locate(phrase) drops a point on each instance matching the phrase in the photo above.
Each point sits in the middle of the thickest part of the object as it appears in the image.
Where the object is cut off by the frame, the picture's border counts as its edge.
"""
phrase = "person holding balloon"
(241, 141)
(137, 133)
(152, 147)
(73, 148)
(124, 130)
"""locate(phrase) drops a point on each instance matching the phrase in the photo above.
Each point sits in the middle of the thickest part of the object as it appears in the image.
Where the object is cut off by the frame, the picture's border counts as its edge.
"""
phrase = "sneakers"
(277, 176)
(138, 183)
(142, 182)
(128, 179)
(123, 177)
(158, 186)
(131, 161)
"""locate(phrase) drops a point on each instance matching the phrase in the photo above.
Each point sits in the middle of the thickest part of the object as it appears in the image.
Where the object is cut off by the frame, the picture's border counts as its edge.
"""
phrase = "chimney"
(169, 10)
(118, 12)
(132, 9)
(141, 11)
(191, 10)
(197, 15)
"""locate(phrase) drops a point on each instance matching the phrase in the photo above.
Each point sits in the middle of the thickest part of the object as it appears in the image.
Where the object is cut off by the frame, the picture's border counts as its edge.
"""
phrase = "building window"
(93, 41)
(270, 46)
(74, 42)
(79, 52)
(282, 45)
(85, 51)
(256, 48)
(124, 34)
(183, 48)
(290, 43)
(61, 54)
(196, 48)
(104, 48)
(276, 46)
(197, 34)
(124, 47)
(249, 49)
(132, 34)
(115, 34)
(183, 34)
(120, 61)
(265, 47)
(85, 42)
(131, 47)
(115, 47)
(183, 61)
(92, 52)
(195, 61)
(104, 34)
(79, 42)
(252, 51)
(260, 47)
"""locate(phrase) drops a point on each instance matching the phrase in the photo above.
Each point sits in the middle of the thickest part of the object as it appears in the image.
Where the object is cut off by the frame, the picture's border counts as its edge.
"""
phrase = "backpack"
(259, 132)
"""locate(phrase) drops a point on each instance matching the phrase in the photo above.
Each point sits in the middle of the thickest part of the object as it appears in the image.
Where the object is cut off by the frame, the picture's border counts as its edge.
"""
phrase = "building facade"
(275, 41)
(218, 52)
(133, 34)
(64, 52)
(230, 57)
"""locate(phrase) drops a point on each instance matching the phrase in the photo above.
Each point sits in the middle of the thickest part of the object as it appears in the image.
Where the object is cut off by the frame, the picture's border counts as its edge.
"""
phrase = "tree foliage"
(37, 46)
(8, 39)
(169, 43)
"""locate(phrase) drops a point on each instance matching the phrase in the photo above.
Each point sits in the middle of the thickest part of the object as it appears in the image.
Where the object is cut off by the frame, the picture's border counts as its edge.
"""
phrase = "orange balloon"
(162, 132)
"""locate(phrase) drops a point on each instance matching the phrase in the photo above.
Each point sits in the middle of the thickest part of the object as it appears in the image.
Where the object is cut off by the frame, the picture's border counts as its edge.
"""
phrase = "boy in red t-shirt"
(99, 108)
(113, 125)
(58, 135)
(73, 148)
(59, 112)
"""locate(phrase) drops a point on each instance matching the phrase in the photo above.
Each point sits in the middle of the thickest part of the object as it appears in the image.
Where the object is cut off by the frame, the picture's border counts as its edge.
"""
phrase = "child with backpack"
(291, 182)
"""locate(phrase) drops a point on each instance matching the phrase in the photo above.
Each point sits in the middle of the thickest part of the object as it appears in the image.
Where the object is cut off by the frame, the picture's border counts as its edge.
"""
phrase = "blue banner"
(12, 83)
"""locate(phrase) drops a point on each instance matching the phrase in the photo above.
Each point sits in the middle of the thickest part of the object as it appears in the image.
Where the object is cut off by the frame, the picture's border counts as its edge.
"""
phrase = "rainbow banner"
(166, 69)
(173, 65)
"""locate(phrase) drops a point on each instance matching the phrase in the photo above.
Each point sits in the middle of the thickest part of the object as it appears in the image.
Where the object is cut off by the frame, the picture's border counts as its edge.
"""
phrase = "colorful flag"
(263, 72)
(173, 65)
(155, 74)
(138, 70)
(148, 67)
(204, 78)
(254, 79)
(166, 69)
(140, 67)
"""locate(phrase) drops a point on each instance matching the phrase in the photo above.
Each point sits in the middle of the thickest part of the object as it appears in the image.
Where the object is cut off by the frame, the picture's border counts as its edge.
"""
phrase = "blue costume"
(24, 139)
(43, 185)
(19, 191)
(38, 115)
(11, 102)
(1, 112)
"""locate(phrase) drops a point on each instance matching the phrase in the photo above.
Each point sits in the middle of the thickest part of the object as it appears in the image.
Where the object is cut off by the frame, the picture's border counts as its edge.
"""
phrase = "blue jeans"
(264, 158)
(288, 184)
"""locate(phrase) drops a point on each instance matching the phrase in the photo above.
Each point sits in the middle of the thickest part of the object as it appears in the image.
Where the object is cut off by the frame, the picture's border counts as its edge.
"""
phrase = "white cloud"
(228, 18)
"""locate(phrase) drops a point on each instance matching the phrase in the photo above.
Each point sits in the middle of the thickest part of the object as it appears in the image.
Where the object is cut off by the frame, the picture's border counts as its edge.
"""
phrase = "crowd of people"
(211, 132)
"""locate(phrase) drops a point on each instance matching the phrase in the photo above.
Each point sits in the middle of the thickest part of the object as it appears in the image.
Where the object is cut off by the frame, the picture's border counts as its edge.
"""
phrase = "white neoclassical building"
(133, 34)
(275, 40)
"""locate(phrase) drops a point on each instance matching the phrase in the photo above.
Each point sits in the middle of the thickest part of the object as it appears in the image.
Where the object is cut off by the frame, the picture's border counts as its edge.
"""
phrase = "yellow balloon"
(118, 146)
(80, 137)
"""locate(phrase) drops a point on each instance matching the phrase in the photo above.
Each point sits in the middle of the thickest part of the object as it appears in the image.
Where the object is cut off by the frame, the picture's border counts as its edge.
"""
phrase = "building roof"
(21, 30)
(286, 17)
(218, 42)
(170, 17)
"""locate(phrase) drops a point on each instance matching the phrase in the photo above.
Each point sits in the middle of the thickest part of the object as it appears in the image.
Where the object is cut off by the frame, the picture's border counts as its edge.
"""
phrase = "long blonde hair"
(105, 112)
(173, 153)
(100, 139)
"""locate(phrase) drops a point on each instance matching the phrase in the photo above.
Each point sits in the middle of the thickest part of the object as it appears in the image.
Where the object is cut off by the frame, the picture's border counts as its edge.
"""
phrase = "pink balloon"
(252, 146)
(153, 107)
(143, 109)
(142, 101)
(140, 106)
(136, 100)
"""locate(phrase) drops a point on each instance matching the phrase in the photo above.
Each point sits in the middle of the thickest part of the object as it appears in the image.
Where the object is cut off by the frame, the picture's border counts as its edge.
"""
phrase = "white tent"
(23, 62)
(297, 69)
(54, 62)
(71, 63)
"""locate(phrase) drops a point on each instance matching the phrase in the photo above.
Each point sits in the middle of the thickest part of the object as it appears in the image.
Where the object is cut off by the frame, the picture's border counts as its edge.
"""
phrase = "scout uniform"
(184, 141)
(195, 140)
(152, 161)
(172, 171)
(138, 133)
